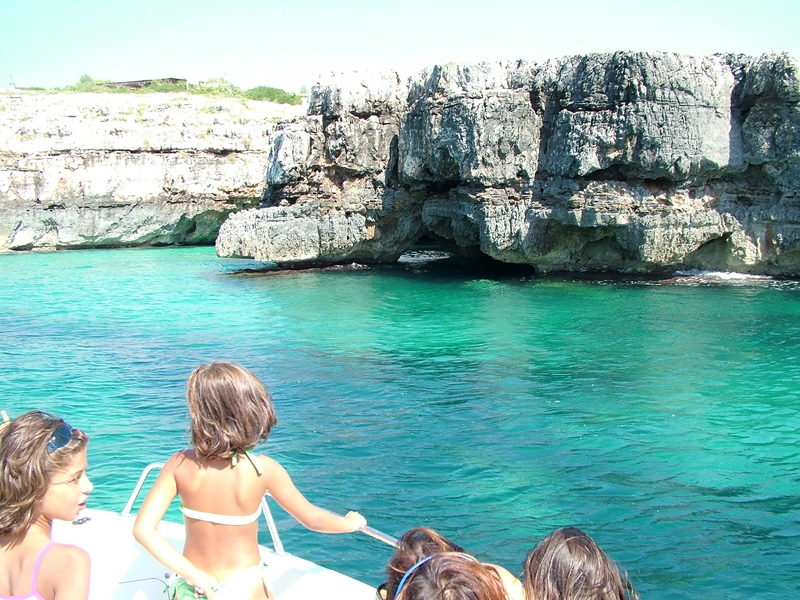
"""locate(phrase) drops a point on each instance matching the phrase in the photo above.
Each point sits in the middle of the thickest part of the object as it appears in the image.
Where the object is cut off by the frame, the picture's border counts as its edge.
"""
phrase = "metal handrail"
(147, 470)
(273, 530)
(366, 530)
(379, 535)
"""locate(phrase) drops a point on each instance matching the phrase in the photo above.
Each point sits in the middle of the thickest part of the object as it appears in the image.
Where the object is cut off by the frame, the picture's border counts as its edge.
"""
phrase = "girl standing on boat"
(42, 477)
(221, 484)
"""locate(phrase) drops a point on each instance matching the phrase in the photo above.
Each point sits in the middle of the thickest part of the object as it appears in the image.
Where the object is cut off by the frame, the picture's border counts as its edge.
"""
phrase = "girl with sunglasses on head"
(221, 485)
(421, 542)
(42, 477)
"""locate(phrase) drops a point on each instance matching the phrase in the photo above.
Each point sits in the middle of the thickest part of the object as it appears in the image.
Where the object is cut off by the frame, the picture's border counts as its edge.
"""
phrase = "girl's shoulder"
(181, 457)
(65, 568)
(66, 556)
(512, 584)
(183, 461)
(266, 463)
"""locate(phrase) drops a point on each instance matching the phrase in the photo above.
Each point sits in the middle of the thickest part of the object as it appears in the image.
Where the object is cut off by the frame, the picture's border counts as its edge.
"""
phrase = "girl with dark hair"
(569, 565)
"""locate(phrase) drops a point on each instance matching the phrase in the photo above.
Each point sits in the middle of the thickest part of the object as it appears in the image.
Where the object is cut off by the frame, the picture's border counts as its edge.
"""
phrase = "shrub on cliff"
(271, 94)
(212, 87)
(85, 84)
(161, 86)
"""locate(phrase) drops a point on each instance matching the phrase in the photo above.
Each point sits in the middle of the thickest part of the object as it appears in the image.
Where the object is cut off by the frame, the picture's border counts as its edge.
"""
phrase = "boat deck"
(123, 570)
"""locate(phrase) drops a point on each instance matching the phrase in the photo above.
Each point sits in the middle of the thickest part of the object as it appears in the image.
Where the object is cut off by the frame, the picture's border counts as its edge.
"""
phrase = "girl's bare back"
(217, 487)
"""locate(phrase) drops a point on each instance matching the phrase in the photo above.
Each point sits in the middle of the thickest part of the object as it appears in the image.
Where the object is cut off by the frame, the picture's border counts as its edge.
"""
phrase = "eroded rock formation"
(94, 170)
(631, 161)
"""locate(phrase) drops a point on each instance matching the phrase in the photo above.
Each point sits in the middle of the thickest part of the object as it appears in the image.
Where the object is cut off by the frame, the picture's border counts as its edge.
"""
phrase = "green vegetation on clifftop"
(214, 87)
(271, 94)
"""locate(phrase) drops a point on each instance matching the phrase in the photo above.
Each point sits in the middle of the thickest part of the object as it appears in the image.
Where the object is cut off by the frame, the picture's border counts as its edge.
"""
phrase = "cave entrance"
(439, 247)
(433, 251)
(425, 250)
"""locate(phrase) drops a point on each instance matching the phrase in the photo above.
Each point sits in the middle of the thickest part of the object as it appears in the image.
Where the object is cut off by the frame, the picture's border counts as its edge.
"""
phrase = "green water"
(662, 419)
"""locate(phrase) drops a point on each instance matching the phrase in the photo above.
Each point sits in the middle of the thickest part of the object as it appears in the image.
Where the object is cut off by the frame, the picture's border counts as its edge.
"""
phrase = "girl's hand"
(203, 583)
(356, 520)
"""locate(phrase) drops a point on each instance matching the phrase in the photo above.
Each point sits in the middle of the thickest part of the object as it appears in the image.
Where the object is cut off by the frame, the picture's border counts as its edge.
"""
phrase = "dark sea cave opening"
(441, 257)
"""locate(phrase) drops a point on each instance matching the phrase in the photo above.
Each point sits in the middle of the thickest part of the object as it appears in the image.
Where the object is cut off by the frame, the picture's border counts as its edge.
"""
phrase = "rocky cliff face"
(93, 170)
(625, 161)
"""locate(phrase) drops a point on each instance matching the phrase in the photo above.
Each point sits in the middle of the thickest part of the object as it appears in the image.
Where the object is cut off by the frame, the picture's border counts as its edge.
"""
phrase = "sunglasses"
(380, 592)
(61, 437)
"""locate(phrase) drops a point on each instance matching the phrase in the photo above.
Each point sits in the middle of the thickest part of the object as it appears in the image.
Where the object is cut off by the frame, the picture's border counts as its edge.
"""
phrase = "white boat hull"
(123, 570)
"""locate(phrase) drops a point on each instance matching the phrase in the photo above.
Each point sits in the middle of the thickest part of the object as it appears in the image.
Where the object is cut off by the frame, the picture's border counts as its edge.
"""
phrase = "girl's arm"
(146, 532)
(70, 568)
(282, 488)
(512, 585)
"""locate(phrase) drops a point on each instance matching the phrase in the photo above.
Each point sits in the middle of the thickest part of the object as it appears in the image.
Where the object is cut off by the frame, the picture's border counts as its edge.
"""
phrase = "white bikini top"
(220, 519)
(226, 519)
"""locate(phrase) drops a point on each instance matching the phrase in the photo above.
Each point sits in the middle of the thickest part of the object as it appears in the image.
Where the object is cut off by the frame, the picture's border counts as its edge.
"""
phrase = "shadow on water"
(426, 263)
(435, 265)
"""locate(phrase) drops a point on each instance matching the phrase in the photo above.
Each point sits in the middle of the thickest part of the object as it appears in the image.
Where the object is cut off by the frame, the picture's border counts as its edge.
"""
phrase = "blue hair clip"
(408, 574)
(423, 561)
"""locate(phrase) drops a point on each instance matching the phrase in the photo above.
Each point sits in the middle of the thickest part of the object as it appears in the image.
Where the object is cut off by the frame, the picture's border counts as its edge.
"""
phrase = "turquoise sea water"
(662, 419)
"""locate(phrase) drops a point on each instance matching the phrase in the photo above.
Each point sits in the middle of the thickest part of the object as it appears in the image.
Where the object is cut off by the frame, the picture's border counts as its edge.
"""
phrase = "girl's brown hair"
(414, 545)
(27, 466)
(452, 576)
(229, 408)
(569, 565)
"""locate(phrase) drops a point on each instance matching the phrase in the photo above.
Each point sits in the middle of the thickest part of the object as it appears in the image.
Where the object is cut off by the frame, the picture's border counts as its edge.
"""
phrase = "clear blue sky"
(290, 43)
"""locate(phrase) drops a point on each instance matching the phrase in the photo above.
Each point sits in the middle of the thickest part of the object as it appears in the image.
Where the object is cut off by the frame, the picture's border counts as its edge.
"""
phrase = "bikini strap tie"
(256, 466)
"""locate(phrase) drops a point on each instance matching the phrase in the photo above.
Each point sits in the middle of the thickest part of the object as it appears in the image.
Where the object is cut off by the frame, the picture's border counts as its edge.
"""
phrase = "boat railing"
(139, 484)
(273, 530)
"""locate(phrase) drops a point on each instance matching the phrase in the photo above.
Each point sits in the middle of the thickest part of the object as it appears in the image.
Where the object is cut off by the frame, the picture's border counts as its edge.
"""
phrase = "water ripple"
(661, 418)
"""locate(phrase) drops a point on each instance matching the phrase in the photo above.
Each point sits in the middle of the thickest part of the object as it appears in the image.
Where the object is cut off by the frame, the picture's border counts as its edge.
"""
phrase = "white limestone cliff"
(101, 170)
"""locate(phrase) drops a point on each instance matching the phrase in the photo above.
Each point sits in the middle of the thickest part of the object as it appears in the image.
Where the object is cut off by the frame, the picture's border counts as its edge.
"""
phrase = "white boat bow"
(123, 570)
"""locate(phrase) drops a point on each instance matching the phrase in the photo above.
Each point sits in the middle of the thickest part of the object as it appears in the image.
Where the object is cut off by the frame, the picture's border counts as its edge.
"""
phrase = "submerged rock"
(630, 161)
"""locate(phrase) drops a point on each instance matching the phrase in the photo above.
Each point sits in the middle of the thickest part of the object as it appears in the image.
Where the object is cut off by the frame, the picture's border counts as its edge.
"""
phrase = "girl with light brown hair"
(42, 478)
(220, 485)
(569, 565)
(450, 576)
(420, 542)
